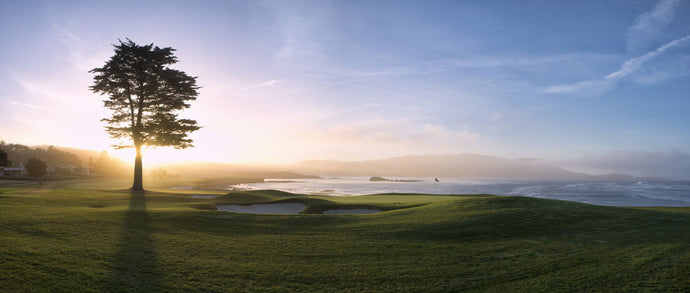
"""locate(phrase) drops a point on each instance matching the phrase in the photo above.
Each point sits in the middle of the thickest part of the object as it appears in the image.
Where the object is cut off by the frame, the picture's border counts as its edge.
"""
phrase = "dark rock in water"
(376, 178)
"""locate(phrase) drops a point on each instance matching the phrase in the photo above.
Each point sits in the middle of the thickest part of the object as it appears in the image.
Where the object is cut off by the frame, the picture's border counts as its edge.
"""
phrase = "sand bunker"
(205, 195)
(350, 211)
(268, 208)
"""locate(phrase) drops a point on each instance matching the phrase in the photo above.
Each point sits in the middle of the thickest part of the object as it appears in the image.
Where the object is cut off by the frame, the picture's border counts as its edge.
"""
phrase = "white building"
(14, 171)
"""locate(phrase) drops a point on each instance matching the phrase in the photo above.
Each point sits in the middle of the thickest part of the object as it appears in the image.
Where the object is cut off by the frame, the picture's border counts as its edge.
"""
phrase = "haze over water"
(598, 193)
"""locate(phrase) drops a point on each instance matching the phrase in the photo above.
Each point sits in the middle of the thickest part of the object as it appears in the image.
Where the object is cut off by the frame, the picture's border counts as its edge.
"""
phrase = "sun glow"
(152, 157)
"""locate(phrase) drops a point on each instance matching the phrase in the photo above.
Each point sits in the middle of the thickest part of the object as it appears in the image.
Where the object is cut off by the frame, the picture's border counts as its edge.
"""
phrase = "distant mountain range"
(463, 165)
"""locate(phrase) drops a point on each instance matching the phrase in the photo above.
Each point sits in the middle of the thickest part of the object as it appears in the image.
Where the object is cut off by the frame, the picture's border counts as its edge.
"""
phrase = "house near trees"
(59, 170)
(14, 171)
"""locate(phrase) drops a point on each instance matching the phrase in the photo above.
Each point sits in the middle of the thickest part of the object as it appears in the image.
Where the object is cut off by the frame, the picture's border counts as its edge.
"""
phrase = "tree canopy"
(145, 96)
(36, 167)
(4, 161)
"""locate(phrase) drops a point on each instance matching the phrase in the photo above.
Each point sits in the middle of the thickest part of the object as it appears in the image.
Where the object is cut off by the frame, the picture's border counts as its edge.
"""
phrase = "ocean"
(598, 193)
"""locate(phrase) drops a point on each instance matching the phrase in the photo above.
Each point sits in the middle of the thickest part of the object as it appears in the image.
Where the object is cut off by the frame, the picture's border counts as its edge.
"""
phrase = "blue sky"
(593, 85)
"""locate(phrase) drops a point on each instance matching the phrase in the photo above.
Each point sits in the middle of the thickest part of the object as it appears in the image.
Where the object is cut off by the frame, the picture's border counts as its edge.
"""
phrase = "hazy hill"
(463, 165)
(83, 154)
(205, 169)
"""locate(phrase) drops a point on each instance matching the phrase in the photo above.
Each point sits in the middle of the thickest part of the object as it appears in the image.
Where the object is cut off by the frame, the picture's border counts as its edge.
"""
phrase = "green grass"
(85, 236)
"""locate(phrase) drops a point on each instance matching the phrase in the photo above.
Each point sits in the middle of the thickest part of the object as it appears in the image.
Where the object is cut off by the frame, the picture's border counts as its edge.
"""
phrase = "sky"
(597, 86)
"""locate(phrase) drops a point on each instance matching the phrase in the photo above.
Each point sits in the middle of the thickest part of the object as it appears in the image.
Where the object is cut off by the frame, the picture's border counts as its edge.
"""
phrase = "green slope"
(84, 238)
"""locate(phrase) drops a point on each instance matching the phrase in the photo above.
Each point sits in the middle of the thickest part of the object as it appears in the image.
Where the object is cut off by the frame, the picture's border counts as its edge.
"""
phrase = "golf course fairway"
(90, 236)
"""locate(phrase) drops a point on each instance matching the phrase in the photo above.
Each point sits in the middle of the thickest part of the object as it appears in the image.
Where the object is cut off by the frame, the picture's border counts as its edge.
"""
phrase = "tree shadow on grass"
(134, 265)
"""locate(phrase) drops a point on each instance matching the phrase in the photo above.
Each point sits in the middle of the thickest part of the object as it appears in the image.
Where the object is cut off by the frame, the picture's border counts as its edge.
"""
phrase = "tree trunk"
(138, 184)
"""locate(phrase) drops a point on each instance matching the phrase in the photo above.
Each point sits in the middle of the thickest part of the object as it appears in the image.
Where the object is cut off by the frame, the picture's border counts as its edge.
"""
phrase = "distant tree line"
(59, 162)
(19, 154)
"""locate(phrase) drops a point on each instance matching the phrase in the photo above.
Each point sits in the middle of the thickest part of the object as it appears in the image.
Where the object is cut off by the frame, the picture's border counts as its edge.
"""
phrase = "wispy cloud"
(633, 64)
(533, 63)
(677, 68)
(598, 86)
(645, 30)
(82, 54)
(648, 26)
(510, 61)
(39, 107)
(45, 91)
(301, 35)
(271, 82)
(33, 106)
(589, 87)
